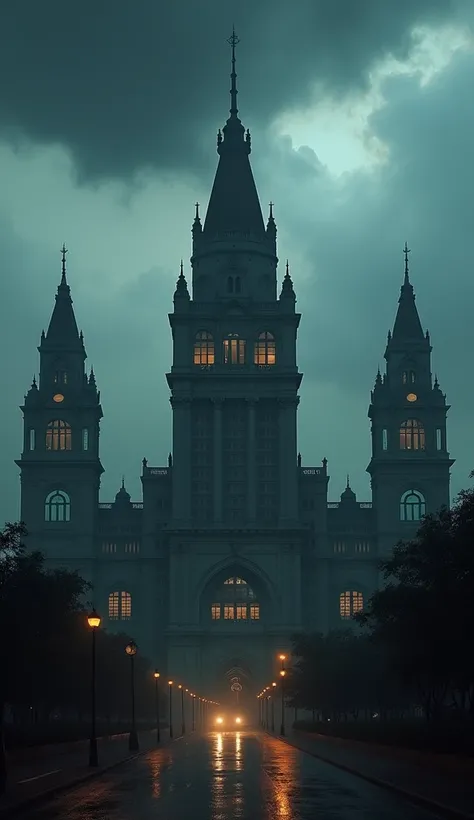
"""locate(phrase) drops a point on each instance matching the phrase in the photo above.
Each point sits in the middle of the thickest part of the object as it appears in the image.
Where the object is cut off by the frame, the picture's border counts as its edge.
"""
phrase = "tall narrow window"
(85, 439)
(384, 439)
(412, 506)
(264, 351)
(215, 612)
(230, 284)
(60, 377)
(412, 435)
(120, 606)
(58, 435)
(439, 439)
(204, 348)
(57, 507)
(405, 377)
(350, 602)
(412, 377)
(32, 439)
(234, 349)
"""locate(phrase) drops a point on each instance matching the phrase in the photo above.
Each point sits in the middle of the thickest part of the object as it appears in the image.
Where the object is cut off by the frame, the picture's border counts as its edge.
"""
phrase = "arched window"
(204, 348)
(412, 506)
(264, 352)
(120, 606)
(57, 507)
(32, 438)
(412, 435)
(408, 377)
(58, 435)
(234, 349)
(350, 602)
(235, 600)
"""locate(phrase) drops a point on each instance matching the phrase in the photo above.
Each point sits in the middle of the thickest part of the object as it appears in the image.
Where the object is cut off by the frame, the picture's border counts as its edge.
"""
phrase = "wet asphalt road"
(228, 776)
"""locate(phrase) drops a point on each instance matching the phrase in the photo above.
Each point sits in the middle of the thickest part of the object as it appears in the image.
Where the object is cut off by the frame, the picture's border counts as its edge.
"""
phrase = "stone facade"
(235, 546)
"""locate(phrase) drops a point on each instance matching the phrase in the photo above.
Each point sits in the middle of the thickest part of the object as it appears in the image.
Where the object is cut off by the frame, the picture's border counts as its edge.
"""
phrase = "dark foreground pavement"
(228, 776)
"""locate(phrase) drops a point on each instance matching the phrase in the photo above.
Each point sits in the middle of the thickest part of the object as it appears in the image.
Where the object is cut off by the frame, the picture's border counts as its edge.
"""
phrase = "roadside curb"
(443, 810)
(50, 794)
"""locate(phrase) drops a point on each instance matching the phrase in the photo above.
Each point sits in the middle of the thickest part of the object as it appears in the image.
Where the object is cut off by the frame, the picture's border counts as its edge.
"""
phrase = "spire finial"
(123, 482)
(347, 482)
(63, 263)
(233, 41)
(406, 251)
(271, 210)
(287, 268)
(197, 210)
(181, 268)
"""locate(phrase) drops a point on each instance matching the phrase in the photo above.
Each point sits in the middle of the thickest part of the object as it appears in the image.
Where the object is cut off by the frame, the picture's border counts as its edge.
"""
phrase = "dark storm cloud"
(129, 85)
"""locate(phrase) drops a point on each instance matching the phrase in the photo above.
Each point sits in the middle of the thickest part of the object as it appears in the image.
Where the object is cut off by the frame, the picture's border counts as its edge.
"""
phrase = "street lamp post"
(273, 706)
(183, 725)
(94, 622)
(156, 675)
(131, 649)
(193, 698)
(282, 678)
(170, 699)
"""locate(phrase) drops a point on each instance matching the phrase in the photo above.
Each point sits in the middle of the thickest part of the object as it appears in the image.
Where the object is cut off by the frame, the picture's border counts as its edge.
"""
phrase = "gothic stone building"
(234, 546)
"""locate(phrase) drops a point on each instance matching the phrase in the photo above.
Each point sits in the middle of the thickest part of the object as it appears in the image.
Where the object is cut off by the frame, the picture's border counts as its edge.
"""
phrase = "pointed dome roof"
(348, 494)
(234, 204)
(122, 498)
(63, 332)
(407, 325)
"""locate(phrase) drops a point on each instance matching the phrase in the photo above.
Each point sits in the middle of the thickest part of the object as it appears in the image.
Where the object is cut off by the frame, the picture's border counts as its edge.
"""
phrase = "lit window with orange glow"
(234, 349)
(350, 602)
(228, 612)
(412, 435)
(204, 348)
(58, 435)
(215, 612)
(241, 612)
(265, 350)
(120, 606)
(255, 612)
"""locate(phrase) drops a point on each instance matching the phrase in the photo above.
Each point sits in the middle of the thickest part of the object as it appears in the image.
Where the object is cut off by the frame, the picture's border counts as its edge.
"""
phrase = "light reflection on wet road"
(228, 776)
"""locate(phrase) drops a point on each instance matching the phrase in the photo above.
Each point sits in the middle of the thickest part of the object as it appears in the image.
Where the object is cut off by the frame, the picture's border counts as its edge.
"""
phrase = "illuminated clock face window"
(58, 398)
(412, 397)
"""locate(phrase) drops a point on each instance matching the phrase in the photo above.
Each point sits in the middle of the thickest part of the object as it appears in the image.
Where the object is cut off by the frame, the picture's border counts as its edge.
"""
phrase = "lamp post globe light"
(273, 705)
(170, 699)
(131, 649)
(282, 678)
(93, 621)
(156, 676)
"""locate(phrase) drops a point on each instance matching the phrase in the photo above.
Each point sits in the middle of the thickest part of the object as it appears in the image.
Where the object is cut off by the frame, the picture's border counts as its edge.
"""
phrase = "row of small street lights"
(131, 649)
(267, 700)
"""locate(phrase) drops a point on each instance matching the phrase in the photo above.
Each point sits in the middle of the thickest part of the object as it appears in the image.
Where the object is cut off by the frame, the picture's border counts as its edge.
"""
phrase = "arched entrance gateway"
(235, 613)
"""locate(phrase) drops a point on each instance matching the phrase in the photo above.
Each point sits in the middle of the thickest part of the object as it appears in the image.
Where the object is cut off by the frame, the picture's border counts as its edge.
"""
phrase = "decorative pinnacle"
(233, 41)
(64, 251)
(197, 210)
(406, 251)
(347, 482)
(270, 205)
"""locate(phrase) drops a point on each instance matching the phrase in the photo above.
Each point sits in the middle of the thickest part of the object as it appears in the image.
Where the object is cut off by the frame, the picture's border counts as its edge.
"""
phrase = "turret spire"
(63, 331)
(234, 205)
(233, 41)
(407, 325)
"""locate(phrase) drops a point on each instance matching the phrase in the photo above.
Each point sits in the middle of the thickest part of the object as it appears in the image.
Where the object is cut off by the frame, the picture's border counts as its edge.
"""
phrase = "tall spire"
(234, 205)
(63, 332)
(407, 325)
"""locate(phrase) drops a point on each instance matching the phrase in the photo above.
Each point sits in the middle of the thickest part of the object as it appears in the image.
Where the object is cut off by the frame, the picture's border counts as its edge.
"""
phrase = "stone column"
(251, 462)
(217, 453)
(181, 471)
(288, 455)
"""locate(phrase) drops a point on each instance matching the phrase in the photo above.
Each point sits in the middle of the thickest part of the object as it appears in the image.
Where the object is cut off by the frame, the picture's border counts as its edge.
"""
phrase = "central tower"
(234, 378)
(234, 537)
